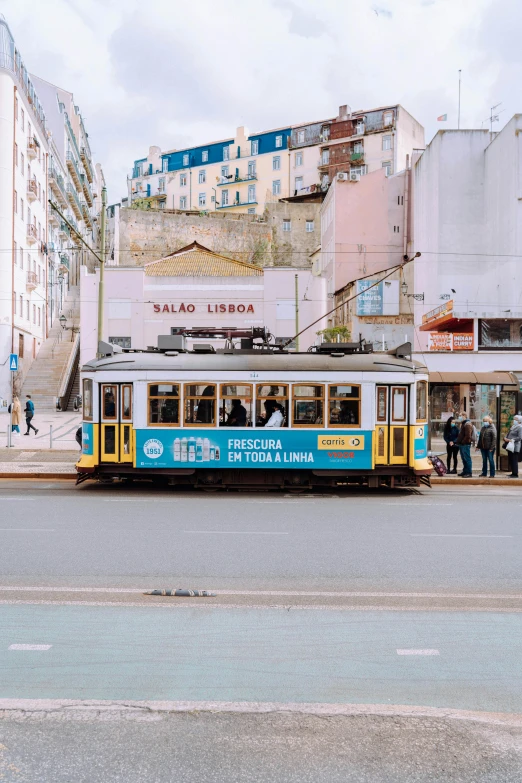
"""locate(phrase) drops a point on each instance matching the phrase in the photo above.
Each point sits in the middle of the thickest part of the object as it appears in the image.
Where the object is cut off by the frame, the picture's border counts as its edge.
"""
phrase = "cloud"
(188, 73)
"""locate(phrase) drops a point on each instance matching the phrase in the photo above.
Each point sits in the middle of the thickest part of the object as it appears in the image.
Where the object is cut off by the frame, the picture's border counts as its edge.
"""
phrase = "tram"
(252, 416)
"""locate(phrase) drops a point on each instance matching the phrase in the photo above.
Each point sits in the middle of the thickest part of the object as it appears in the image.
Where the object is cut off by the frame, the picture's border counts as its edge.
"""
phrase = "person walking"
(515, 435)
(29, 413)
(487, 443)
(464, 440)
(16, 415)
(450, 434)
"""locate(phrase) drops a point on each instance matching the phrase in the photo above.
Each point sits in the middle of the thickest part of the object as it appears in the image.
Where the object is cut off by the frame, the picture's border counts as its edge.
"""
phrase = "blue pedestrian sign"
(13, 362)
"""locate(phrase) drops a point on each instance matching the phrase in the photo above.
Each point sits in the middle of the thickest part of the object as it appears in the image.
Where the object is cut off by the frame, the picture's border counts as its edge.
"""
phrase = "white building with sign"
(197, 288)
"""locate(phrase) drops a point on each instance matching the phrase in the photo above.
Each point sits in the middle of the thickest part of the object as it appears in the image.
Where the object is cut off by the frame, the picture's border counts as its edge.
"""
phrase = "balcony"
(64, 232)
(75, 235)
(74, 201)
(32, 189)
(32, 148)
(86, 214)
(51, 248)
(87, 165)
(32, 281)
(57, 184)
(74, 171)
(357, 157)
(86, 190)
(30, 234)
(53, 217)
(63, 266)
(323, 163)
(236, 180)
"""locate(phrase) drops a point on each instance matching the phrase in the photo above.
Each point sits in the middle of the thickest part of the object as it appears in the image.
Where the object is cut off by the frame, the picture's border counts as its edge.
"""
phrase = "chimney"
(345, 112)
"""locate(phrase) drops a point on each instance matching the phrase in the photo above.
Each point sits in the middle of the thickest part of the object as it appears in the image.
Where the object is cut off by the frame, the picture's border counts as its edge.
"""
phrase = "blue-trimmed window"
(224, 198)
(165, 164)
(279, 141)
(202, 200)
(298, 158)
(251, 193)
(186, 159)
(224, 171)
(254, 147)
(202, 178)
(204, 156)
(226, 153)
(251, 168)
(182, 202)
(276, 187)
(183, 180)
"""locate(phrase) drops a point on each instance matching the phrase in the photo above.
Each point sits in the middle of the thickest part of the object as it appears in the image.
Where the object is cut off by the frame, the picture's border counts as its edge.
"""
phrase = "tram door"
(116, 422)
(392, 417)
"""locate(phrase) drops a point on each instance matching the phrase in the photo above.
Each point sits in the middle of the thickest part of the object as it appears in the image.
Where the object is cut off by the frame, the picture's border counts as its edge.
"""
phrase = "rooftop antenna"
(458, 120)
(494, 117)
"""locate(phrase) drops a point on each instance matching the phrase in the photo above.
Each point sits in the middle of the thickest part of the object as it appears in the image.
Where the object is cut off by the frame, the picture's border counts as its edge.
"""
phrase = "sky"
(174, 73)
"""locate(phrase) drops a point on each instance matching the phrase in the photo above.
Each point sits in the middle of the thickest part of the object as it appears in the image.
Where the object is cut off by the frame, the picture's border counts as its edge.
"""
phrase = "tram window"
(308, 405)
(126, 439)
(344, 406)
(382, 403)
(422, 396)
(268, 399)
(110, 395)
(236, 405)
(87, 399)
(109, 439)
(399, 404)
(164, 404)
(126, 402)
(200, 405)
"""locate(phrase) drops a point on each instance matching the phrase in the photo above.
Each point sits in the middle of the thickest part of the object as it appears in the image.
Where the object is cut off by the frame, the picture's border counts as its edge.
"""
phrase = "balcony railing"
(86, 160)
(232, 180)
(64, 230)
(74, 170)
(32, 148)
(64, 261)
(32, 281)
(32, 189)
(31, 234)
(357, 156)
(58, 186)
(237, 204)
(74, 201)
(54, 218)
(86, 214)
(86, 190)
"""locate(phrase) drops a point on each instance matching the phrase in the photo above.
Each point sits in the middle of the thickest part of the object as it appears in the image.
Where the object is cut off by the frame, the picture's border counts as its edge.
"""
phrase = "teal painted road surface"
(296, 655)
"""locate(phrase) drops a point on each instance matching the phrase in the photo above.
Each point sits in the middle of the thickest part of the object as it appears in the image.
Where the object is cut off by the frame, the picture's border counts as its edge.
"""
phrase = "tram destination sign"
(277, 449)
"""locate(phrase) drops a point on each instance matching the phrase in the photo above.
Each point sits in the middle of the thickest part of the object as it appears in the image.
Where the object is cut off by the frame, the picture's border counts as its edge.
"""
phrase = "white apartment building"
(41, 145)
(243, 173)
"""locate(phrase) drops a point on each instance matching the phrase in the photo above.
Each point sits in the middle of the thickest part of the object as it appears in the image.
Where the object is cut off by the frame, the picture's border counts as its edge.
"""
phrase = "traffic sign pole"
(13, 366)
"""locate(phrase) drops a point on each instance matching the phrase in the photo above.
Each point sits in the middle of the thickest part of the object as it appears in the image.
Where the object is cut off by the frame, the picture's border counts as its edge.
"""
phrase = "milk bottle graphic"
(199, 450)
(212, 453)
(192, 449)
(206, 450)
(177, 450)
(184, 450)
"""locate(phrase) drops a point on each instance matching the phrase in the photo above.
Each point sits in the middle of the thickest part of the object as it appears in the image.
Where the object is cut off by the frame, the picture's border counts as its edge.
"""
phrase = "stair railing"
(68, 373)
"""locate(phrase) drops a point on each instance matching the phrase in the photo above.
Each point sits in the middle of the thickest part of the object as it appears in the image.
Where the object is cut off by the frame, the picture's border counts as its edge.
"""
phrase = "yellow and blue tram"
(206, 418)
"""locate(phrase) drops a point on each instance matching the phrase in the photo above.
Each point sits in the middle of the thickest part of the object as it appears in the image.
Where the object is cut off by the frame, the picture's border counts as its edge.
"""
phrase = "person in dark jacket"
(451, 433)
(487, 443)
(464, 441)
(515, 435)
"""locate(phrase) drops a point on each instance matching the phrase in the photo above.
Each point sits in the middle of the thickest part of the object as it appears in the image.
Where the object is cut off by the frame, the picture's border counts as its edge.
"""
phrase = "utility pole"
(102, 263)
(297, 312)
(458, 121)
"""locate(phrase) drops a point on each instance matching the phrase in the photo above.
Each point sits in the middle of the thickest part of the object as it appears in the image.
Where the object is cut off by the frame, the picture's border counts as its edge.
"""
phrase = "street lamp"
(63, 320)
(417, 297)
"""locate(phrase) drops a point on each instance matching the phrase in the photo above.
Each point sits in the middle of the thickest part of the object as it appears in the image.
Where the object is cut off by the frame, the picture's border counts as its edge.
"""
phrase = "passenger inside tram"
(237, 416)
(277, 417)
(205, 411)
(346, 413)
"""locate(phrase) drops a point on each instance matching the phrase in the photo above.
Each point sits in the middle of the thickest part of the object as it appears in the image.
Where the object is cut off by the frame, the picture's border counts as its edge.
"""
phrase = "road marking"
(239, 532)
(29, 647)
(418, 652)
(456, 535)
(27, 529)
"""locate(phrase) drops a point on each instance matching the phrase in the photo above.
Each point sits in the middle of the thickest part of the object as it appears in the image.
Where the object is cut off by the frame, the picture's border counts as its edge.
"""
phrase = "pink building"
(365, 230)
(195, 287)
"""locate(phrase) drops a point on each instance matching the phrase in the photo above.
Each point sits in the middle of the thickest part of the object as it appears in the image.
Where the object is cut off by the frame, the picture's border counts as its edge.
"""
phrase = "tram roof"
(252, 360)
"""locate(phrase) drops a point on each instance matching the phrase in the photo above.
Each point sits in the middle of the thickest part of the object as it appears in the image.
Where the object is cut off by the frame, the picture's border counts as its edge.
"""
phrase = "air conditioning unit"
(342, 176)
(355, 177)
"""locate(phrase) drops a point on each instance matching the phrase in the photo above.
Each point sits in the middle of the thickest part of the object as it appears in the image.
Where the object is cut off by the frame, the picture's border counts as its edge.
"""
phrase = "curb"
(500, 482)
(38, 475)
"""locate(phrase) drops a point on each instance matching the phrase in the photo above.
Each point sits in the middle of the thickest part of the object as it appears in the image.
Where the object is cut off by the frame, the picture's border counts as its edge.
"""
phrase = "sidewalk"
(64, 426)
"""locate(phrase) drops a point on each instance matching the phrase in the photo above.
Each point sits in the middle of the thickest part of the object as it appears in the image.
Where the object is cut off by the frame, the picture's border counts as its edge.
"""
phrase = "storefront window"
(500, 333)
(475, 400)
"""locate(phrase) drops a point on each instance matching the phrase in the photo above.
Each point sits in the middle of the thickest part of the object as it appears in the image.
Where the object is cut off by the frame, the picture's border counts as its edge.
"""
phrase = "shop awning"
(501, 378)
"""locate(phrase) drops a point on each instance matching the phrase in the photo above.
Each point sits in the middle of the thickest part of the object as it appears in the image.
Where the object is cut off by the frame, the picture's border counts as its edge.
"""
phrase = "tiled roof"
(195, 260)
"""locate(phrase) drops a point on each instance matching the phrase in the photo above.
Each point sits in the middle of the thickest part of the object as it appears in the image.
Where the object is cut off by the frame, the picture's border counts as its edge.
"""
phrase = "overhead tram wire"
(53, 206)
(325, 315)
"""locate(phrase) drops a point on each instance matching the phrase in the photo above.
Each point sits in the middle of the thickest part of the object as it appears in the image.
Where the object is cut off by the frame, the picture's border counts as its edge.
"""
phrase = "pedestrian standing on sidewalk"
(451, 432)
(487, 443)
(515, 435)
(29, 413)
(464, 441)
(16, 415)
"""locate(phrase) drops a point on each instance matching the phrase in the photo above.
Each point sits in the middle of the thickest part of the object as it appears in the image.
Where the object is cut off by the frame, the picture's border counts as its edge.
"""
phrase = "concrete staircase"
(44, 377)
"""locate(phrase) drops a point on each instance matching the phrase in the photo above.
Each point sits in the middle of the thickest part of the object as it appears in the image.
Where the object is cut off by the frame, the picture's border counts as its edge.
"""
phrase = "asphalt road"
(410, 601)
